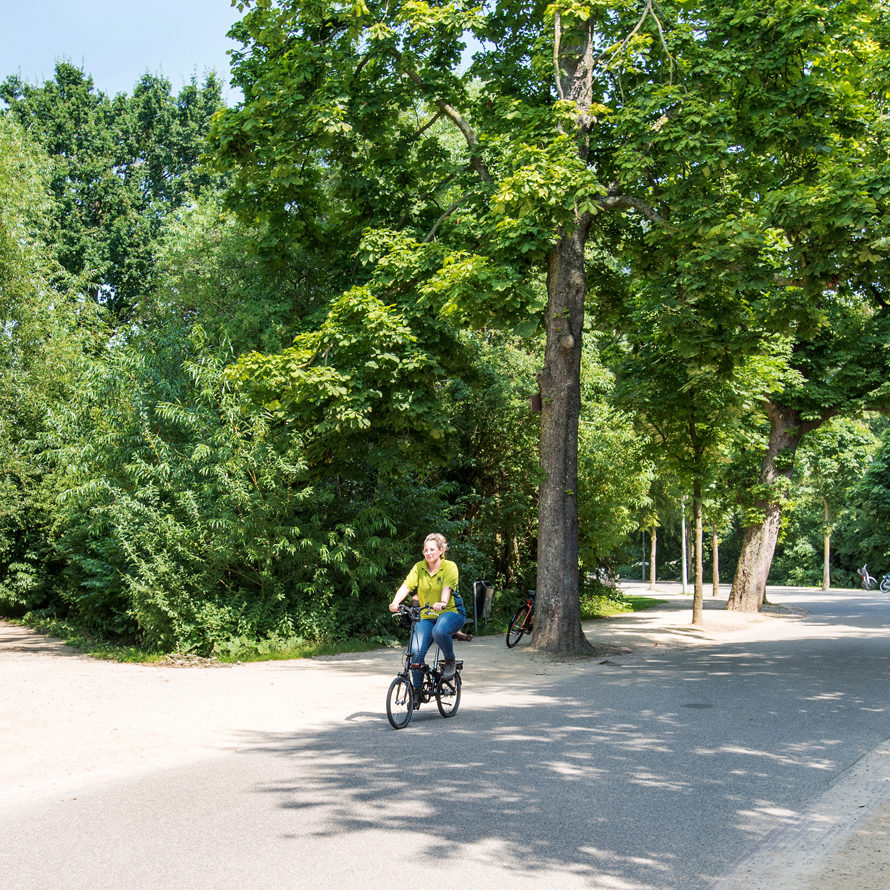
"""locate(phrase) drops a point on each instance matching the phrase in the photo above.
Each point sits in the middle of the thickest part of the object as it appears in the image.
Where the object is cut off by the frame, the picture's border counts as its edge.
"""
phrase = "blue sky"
(116, 42)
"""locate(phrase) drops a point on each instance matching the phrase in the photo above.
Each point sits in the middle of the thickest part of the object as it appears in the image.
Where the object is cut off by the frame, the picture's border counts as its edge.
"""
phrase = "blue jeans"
(429, 629)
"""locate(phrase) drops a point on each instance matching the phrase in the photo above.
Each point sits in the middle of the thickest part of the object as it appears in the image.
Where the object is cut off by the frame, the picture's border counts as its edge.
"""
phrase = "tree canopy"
(505, 271)
(118, 166)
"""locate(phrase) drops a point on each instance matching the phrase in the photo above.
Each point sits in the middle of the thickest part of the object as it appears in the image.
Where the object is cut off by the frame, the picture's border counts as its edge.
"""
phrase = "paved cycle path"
(600, 773)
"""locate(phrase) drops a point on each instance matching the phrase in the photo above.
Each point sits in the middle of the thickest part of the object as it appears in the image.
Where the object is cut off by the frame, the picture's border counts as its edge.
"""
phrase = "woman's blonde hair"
(439, 541)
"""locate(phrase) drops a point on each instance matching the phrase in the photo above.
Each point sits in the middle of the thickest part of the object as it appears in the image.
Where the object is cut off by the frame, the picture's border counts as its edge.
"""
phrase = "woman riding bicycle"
(433, 581)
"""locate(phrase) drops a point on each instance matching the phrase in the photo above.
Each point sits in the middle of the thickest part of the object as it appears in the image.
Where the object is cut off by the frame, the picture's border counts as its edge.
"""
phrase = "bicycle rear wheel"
(399, 703)
(885, 584)
(517, 626)
(448, 696)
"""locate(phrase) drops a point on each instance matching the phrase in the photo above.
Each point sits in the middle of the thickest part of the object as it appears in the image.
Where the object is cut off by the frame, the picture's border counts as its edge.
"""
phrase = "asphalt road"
(661, 768)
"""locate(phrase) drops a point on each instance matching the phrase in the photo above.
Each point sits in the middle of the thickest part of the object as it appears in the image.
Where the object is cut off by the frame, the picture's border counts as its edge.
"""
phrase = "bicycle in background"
(523, 621)
(403, 698)
(869, 582)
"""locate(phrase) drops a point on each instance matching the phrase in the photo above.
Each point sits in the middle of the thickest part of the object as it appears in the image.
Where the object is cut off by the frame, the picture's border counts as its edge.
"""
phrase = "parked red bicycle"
(523, 621)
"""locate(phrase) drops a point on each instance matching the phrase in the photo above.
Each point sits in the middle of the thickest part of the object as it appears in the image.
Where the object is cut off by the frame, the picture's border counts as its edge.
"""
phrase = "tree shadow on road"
(651, 773)
(24, 640)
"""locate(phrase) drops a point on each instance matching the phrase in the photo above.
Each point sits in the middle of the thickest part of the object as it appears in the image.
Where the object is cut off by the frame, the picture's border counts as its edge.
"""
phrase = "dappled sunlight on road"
(565, 775)
(23, 640)
(751, 818)
(798, 757)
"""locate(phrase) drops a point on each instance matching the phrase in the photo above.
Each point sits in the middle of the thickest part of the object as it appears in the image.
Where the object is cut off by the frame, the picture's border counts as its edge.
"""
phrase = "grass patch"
(289, 650)
(605, 606)
(240, 650)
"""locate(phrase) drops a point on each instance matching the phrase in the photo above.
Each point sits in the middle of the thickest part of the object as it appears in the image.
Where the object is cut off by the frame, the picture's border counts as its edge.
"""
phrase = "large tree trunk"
(698, 589)
(826, 548)
(755, 559)
(759, 542)
(653, 539)
(558, 615)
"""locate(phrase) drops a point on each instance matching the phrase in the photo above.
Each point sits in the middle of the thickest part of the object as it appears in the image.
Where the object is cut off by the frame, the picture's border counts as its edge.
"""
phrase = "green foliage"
(184, 522)
(362, 369)
(243, 649)
(832, 465)
(493, 461)
(42, 332)
(615, 472)
(210, 270)
(117, 167)
(762, 280)
(863, 536)
(336, 357)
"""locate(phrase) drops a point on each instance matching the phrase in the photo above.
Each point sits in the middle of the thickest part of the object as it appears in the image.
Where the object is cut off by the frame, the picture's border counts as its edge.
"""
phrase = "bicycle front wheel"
(448, 696)
(399, 703)
(885, 584)
(517, 626)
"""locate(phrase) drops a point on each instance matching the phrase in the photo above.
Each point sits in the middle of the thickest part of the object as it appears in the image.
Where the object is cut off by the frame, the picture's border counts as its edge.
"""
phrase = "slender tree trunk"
(826, 548)
(759, 542)
(558, 615)
(715, 566)
(683, 563)
(653, 535)
(698, 590)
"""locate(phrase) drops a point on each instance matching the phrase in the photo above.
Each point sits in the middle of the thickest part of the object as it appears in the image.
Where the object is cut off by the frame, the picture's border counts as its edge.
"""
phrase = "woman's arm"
(449, 585)
(401, 593)
(440, 604)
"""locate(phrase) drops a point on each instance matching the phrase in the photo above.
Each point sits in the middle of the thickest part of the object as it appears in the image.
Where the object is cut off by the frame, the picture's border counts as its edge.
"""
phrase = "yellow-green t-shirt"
(428, 588)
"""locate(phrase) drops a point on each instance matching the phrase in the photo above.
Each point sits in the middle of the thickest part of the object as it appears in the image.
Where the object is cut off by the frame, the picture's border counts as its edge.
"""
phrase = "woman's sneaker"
(447, 668)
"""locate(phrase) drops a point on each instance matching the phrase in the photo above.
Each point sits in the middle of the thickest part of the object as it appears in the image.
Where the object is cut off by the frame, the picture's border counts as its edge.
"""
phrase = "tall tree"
(478, 179)
(119, 166)
(748, 160)
(692, 415)
(812, 137)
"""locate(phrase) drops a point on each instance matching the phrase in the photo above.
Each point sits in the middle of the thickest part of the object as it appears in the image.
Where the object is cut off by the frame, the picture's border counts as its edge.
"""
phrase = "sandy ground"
(68, 719)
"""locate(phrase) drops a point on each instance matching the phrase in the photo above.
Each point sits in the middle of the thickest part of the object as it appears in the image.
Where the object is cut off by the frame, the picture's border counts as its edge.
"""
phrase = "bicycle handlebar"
(415, 611)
